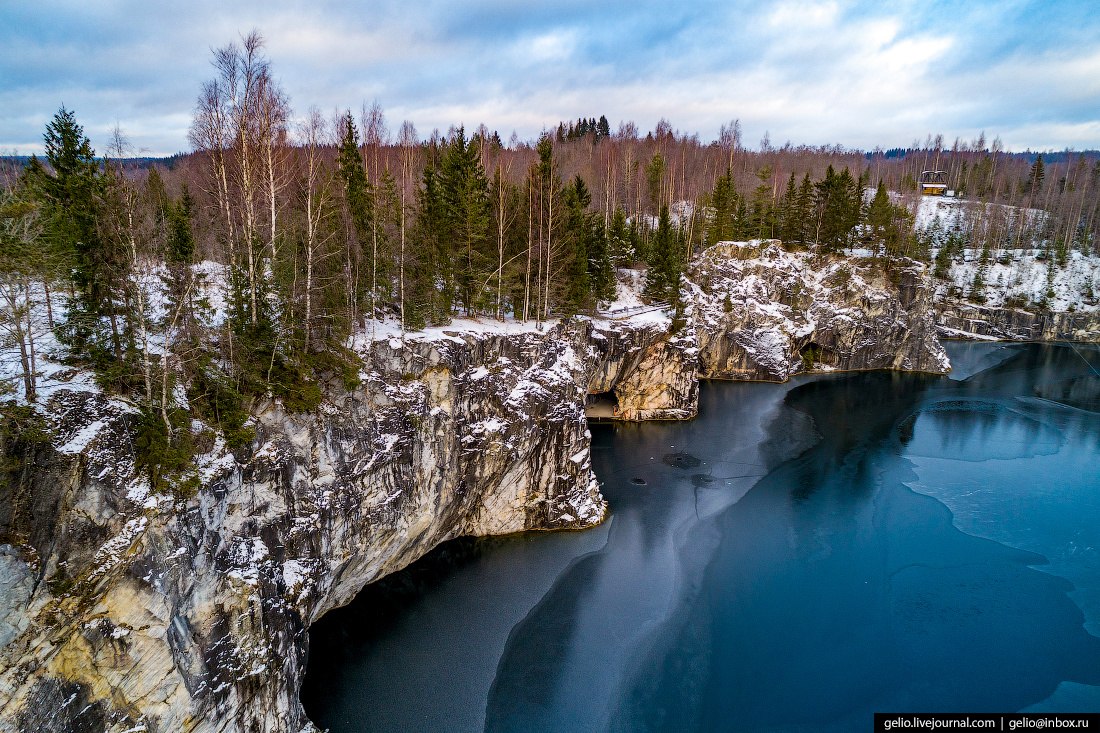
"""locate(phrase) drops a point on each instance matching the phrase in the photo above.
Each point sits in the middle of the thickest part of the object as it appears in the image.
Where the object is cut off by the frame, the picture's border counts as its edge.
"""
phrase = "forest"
(243, 269)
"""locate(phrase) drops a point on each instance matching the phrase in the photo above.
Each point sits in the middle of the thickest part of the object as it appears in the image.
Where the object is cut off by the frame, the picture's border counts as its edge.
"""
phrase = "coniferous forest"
(243, 268)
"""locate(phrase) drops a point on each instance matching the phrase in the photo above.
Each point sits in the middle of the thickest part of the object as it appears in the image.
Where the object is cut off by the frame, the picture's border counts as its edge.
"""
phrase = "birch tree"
(21, 264)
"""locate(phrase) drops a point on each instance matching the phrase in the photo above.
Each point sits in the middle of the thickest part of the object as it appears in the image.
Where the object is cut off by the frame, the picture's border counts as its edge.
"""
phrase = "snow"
(859, 252)
(113, 549)
(389, 330)
(1025, 277)
(1020, 276)
(82, 438)
(490, 425)
(628, 288)
(946, 332)
(948, 211)
(297, 572)
(245, 558)
(628, 305)
(138, 491)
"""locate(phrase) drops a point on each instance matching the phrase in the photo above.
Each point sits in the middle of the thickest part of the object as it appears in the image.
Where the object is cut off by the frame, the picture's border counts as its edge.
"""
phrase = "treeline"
(305, 231)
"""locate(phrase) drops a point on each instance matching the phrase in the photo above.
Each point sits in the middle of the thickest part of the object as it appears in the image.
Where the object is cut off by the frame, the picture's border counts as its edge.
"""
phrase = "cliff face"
(650, 372)
(126, 610)
(763, 313)
(121, 609)
(958, 319)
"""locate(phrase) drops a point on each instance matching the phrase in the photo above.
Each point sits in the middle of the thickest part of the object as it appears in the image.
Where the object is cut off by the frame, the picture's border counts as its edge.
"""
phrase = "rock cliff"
(957, 319)
(123, 609)
(763, 313)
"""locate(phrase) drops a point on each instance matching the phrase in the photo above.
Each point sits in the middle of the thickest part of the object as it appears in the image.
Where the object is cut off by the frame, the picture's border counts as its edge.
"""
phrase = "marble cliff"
(123, 609)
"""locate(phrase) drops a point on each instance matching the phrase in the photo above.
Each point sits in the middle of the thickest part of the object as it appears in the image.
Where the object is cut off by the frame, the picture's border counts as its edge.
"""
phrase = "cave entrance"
(601, 406)
(812, 353)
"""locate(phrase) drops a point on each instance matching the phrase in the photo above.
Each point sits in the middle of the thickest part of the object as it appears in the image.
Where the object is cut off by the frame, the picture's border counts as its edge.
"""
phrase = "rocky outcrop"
(763, 313)
(650, 372)
(123, 609)
(957, 319)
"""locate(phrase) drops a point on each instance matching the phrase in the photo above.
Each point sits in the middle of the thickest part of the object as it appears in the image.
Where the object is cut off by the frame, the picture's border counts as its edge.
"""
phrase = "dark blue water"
(797, 558)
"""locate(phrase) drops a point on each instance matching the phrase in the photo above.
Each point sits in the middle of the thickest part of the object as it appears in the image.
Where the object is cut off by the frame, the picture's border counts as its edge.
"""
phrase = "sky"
(848, 72)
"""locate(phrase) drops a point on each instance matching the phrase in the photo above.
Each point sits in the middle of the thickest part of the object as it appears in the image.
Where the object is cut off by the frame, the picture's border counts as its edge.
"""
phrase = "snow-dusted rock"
(763, 313)
(122, 609)
(651, 372)
(958, 319)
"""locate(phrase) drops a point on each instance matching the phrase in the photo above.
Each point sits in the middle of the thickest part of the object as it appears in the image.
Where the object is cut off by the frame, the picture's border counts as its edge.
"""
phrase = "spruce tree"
(603, 128)
(358, 207)
(879, 219)
(724, 203)
(72, 192)
(575, 237)
(619, 242)
(464, 193)
(804, 211)
(179, 256)
(654, 178)
(601, 273)
(1035, 177)
(838, 210)
(762, 210)
(662, 282)
(788, 225)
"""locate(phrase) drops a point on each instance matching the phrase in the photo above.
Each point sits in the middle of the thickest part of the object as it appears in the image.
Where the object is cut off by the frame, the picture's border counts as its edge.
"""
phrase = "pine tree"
(788, 224)
(879, 218)
(71, 193)
(662, 281)
(464, 192)
(359, 209)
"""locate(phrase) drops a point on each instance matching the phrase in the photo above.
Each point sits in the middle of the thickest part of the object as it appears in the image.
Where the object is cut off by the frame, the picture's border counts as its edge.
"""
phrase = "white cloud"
(848, 71)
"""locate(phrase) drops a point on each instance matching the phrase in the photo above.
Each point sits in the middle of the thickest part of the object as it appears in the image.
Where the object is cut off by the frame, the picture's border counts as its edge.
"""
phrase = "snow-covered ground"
(1018, 277)
(390, 330)
(52, 374)
(627, 306)
(1024, 278)
(933, 210)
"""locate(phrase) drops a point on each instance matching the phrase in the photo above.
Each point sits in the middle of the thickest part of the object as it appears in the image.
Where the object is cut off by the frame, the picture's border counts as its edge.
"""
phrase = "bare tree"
(240, 121)
(273, 111)
(729, 139)
(129, 226)
(21, 263)
(318, 197)
(375, 136)
(408, 142)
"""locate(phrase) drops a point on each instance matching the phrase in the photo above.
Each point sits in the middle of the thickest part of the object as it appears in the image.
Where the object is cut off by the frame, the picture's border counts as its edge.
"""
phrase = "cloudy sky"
(861, 74)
